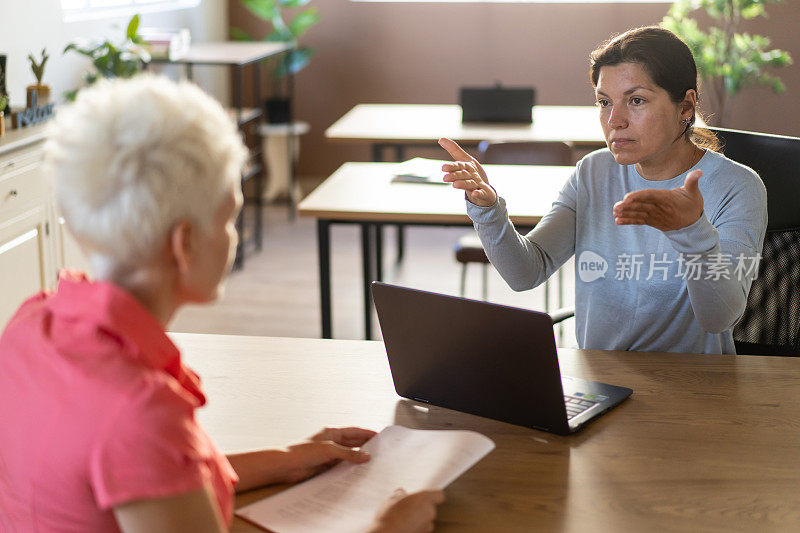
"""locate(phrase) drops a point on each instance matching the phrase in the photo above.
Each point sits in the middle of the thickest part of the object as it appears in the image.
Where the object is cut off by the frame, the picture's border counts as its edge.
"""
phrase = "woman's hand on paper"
(662, 209)
(322, 451)
(408, 513)
(467, 174)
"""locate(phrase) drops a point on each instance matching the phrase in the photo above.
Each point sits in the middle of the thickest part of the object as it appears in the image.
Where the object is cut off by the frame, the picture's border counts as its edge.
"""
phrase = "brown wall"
(422, 53)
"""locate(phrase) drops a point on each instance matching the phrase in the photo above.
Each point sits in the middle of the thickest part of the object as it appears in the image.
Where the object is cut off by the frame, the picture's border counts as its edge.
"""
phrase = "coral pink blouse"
(96, 409)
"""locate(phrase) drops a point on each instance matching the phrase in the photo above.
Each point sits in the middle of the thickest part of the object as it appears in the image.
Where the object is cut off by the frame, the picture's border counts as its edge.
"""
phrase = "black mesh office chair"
(469, 249)
(771, 321)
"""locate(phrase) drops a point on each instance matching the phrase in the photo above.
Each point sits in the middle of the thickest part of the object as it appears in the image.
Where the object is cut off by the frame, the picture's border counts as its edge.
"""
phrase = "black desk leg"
(366, 262)
(379, 252)
(261, 176)
(377, 152)
(324, 251)
(290, 147)
(377, 156)
(238, 262)
(400, 155)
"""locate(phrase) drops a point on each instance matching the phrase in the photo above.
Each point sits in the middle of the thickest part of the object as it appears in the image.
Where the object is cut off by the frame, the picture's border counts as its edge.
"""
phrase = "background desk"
(706, 443)
(403, 125)
(237, 55)
(363, 193)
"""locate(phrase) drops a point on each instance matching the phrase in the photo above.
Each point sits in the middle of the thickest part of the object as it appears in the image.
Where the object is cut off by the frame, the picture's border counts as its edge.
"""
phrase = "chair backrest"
(771, 321)
(524, 153)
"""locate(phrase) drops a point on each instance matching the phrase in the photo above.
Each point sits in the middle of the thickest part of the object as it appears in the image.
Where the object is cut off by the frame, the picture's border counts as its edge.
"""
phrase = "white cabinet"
(33, 245)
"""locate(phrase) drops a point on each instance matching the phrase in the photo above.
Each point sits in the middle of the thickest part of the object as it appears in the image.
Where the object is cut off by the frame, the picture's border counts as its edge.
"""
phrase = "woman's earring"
(686, 121)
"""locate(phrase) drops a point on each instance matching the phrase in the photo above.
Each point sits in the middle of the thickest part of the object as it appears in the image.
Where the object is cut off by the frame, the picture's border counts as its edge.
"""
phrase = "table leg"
(379, 252)
(237, 93)
(366, 263)
(238, 262)
(290, 147)
(377, 156)
(377, 152)
(324, 252)
(262, 176)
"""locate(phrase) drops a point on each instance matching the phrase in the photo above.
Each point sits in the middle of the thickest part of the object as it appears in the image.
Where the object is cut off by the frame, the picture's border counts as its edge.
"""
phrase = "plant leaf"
(293, 62)
(133, 27)
(304, 20)
(263, 9)
(238, 34)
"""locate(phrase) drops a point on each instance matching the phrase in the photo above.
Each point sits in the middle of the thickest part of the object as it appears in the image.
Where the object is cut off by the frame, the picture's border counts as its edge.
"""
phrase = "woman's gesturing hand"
(467, 174)
(665, 210)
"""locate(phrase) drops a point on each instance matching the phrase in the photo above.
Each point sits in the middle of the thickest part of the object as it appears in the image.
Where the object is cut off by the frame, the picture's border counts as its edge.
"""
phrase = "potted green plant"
(274, 13)
(113, 60)
(42, 90)
(727, 61)
(3, 82)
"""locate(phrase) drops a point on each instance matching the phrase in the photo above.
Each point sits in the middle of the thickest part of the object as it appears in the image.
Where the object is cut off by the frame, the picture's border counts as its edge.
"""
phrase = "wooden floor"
(277, 292)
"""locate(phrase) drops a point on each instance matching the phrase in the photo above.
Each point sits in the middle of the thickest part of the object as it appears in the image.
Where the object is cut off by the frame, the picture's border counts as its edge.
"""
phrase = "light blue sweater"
(638, 288)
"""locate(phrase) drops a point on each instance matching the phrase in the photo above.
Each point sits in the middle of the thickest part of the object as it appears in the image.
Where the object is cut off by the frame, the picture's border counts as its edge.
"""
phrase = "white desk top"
(365, 192)
(229, 53)
(423, 123)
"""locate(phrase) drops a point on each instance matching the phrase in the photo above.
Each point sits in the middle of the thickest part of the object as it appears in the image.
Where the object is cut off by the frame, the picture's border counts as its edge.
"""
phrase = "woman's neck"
(152, 289)
(676, 160)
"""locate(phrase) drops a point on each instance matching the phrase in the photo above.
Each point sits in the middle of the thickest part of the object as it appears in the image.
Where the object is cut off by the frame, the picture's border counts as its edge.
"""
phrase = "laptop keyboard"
(576, 405)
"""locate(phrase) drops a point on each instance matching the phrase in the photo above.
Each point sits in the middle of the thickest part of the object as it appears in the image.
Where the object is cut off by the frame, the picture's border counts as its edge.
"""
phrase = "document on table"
(347, 497)
(420, 170)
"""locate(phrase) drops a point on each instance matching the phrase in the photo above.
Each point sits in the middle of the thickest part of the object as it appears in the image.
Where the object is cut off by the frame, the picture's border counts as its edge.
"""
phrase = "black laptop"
(497, 104)
(485, 359)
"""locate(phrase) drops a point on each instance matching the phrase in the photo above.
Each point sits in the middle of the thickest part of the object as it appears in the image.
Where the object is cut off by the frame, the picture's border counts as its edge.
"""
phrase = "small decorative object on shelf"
(3, 104)
(42, 91)
(166, 43)
(33, 114)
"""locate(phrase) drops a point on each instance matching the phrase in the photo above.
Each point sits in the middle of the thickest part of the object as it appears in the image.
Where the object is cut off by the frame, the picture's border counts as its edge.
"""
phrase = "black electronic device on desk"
(497, 104)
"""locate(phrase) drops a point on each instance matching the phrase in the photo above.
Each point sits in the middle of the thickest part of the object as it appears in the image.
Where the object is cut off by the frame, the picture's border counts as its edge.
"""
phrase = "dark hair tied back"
(668, 62)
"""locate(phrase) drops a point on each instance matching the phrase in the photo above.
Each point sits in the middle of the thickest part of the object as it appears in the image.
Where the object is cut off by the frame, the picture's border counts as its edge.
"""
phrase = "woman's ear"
(181, 245)
(689, 103)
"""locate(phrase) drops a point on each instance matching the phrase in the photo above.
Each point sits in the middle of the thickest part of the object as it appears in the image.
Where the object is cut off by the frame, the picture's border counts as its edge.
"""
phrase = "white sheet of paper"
(420, 170)
(347, 497)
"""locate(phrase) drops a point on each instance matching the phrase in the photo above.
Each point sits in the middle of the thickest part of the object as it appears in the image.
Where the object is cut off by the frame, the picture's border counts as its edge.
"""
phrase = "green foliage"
(38, 68)
(113, 60)
(728, 61)
(272, 12)
(3, 101)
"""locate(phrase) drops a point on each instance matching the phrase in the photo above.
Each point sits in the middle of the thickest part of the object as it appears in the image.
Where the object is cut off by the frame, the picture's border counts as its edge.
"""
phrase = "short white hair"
(130, 158)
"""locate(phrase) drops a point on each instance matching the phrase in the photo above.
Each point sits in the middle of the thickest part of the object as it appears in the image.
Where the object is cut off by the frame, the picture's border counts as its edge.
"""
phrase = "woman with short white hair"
(98, 429)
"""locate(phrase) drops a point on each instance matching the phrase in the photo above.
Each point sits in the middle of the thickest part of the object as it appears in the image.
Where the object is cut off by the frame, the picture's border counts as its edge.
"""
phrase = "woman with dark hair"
(675, 228)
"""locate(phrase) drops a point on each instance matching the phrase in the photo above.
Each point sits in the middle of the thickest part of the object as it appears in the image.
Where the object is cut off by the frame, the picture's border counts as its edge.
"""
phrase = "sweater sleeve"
(526, 261)
(719, 257)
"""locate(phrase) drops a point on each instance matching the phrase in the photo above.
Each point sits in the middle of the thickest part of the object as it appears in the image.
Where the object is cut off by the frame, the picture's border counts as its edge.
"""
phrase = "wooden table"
(706, 442)
(403, 125)
(363, 194)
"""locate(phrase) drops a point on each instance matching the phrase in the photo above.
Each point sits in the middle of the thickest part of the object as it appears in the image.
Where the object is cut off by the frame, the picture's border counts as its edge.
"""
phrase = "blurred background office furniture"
(400, 127)
(469, 249)
(363, 194)
(238, 55)
(771, 321)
